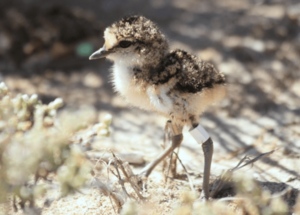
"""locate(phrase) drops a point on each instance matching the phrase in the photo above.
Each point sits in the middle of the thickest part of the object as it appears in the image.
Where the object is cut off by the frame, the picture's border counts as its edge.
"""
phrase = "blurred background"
(45, 45)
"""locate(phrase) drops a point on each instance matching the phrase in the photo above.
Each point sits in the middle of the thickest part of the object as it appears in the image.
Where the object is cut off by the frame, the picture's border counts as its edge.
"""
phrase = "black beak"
(101, 53)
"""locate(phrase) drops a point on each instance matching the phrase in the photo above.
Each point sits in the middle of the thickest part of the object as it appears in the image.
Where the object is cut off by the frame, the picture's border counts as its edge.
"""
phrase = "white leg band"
(199, 134)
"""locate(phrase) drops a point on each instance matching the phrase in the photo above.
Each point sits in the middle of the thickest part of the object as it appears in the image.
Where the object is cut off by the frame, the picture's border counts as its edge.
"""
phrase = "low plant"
(35, 145)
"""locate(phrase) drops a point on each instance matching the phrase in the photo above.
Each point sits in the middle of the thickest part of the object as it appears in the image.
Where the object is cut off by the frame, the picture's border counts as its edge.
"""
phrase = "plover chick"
(173, 83)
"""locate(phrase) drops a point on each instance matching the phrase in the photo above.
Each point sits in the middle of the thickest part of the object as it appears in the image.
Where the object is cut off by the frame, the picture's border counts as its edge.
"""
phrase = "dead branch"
(219, 183)
(128, 178)
(188, 175)
(108, 191)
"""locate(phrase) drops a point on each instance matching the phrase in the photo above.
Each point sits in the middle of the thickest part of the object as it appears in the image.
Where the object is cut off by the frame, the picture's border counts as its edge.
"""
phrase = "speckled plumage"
(173, 83)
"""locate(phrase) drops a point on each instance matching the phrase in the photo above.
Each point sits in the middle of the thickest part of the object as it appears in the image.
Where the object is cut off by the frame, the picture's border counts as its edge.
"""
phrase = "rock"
(254, 44)
(92, 80)
(293, 11)
(210, 54)
(268, 11)
(267, 123)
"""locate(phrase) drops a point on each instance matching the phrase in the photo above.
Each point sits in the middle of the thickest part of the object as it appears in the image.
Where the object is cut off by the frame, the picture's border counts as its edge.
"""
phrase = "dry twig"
(108, 191)
(188, 175)
(134, 185)
(226, 177)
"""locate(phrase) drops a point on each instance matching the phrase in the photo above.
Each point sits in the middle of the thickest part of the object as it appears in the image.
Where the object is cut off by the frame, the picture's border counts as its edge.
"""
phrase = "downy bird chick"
(148, 75)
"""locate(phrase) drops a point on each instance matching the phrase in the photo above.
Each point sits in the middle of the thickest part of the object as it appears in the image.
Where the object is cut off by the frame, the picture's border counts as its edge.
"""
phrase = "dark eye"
(125, 44)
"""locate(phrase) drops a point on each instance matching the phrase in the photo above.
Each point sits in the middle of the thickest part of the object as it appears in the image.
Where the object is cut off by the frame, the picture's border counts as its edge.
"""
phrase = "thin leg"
(208, 149)
(173, 163)
(176, 141)
(201, 136)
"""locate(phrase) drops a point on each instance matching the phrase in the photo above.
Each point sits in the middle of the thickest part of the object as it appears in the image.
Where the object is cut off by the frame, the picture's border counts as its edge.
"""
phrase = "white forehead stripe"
(110, 38)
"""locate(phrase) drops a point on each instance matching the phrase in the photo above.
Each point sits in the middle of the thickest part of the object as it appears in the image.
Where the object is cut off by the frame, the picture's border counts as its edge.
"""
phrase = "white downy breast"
(122, 79)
